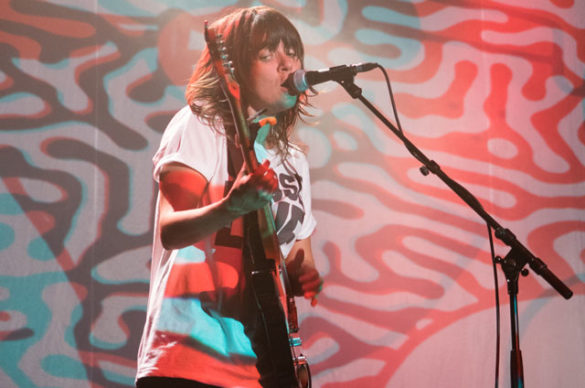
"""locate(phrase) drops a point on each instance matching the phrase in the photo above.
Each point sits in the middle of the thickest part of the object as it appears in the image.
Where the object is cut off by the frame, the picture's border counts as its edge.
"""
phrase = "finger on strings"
(313, 295)
(262, 168)
(269, 182)
(272, 180)
(257, 176)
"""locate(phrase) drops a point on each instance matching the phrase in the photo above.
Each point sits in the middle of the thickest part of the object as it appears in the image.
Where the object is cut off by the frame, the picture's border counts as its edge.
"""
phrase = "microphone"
(301, 80)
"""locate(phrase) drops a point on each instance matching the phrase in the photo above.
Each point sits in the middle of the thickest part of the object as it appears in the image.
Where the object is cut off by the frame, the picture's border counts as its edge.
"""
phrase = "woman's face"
(268, 72)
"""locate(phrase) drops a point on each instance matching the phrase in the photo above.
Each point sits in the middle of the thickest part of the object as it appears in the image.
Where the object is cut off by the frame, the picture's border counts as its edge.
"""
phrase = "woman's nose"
(286, 63)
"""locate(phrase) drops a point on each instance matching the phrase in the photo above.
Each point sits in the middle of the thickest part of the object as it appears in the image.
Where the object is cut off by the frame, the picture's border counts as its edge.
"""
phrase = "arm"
(303, 274)
(183, 221)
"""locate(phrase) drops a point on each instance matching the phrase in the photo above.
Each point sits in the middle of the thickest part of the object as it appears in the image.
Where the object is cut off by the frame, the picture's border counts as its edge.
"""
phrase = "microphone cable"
(391, 96)
(496, 286)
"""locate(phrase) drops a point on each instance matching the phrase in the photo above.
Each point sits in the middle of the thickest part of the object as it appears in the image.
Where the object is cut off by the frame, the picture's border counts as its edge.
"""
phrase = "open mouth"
(285, 87)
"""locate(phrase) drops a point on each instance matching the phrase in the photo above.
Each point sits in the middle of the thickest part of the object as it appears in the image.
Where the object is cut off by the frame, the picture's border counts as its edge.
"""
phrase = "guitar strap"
(267, 332)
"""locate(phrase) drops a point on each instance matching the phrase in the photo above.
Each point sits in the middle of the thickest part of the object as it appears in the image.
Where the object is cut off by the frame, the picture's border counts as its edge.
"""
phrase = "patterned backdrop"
(492, 90)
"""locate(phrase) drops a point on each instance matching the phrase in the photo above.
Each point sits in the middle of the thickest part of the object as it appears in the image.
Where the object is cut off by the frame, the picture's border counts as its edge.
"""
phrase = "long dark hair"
(245, 32)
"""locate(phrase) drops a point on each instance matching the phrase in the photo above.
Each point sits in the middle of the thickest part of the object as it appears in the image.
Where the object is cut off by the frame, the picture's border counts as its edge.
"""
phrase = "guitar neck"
(241, 126)
(265, 216)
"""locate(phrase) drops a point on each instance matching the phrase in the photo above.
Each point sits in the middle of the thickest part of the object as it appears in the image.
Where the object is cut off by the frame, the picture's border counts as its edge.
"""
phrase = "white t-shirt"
(193, 325)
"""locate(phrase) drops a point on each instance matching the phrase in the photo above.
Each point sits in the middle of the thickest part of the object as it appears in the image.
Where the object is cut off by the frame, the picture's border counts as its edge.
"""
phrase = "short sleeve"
(188, 141)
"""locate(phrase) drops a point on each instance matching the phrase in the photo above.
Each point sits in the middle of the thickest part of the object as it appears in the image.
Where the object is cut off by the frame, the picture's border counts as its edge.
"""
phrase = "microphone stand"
(515, 260)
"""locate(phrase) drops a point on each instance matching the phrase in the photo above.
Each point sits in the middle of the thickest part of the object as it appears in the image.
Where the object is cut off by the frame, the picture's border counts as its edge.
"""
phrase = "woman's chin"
(287, 102)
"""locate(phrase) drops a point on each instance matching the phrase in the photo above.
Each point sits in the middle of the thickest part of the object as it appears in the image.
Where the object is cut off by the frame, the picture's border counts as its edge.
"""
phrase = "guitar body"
(275, 337)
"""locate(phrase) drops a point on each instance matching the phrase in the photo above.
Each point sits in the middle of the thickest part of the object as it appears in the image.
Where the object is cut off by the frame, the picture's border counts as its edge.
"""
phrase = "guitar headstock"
(221, 62)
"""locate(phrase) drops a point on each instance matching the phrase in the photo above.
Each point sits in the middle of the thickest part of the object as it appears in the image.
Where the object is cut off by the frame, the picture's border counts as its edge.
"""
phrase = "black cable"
(494, 265)
(391, 96)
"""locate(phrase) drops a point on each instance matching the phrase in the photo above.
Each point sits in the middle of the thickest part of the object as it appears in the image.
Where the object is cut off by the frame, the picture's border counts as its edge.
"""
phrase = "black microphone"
(301, 80)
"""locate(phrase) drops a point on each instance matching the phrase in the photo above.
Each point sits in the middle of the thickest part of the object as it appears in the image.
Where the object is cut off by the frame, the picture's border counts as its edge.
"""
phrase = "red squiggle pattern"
(493, 91)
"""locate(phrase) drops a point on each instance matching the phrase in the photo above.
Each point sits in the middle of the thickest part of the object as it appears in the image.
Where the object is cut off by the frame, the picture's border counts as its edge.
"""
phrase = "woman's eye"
(265, 56)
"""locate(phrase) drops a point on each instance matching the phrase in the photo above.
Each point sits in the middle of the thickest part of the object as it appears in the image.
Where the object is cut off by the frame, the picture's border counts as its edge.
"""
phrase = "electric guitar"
(267, 275)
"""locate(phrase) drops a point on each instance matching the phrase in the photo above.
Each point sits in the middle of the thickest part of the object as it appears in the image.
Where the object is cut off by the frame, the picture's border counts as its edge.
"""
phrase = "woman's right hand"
(182, 219)
(252, 191)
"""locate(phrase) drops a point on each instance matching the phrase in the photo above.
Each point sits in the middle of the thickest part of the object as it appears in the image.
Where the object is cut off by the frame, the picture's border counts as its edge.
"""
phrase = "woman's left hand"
(305, 279)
